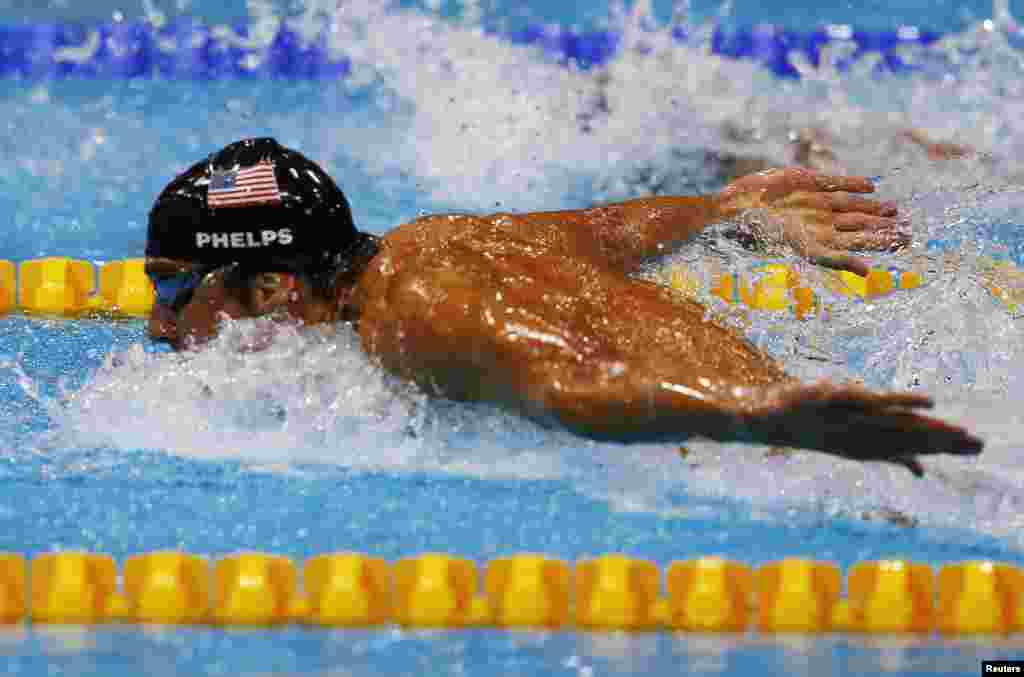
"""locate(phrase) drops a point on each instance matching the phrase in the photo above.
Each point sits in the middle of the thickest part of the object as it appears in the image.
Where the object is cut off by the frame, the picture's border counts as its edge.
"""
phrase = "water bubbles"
(441, 115)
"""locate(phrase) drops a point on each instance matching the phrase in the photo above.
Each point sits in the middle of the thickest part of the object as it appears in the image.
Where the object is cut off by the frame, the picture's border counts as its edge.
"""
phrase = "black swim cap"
(254, 202)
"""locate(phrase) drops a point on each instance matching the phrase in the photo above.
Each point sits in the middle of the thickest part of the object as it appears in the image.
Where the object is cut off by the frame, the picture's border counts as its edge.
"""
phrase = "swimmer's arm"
(630, 231)
(457, 341)
(625, 233)
(817, 214)
(655, 405)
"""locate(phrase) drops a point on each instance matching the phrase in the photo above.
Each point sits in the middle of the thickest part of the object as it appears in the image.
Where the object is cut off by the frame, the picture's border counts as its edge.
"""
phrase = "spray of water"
(477, 123)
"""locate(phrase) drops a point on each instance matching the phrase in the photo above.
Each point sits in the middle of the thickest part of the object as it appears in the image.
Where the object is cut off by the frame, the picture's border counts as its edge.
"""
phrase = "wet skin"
(539, 312)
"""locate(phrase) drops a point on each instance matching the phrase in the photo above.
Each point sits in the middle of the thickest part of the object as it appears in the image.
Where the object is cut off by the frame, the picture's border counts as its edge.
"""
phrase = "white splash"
(310, 396)
(477, 123)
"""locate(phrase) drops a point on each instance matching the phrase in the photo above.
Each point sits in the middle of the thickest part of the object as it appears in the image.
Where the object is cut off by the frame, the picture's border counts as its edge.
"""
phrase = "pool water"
(112, 444)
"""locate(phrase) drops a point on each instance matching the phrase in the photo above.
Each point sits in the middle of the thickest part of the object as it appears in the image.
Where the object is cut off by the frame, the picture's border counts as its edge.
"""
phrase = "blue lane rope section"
(187, 49)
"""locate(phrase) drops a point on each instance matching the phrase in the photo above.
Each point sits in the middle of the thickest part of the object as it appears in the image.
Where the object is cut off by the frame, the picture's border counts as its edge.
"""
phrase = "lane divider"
(8, 287)
(63, 287)
(778, 287)
(66, 287)
(1005, 282)
(187, 49)
(524, 591)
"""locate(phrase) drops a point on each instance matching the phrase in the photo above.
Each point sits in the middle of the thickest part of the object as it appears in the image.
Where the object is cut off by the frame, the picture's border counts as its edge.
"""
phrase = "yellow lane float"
(255, 589)
(888, 597)
(1005, 282)
(72, 587)
(165, 587)
(777, 287)
(8, 287)
(614, 592)
(55, 286)
(980, 598)
(65, 287)
(437, 591)
(609, 593)
(124, 289)
(528, 591)
(13, 590)
(796, 596)
(348, 590)
(709, 595)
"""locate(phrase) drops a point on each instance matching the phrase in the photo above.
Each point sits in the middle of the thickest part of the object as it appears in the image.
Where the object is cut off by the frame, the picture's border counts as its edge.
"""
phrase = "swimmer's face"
(194, 300)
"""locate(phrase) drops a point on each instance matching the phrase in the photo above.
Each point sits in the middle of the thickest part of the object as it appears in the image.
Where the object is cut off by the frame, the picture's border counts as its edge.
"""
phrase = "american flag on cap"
(244, 187)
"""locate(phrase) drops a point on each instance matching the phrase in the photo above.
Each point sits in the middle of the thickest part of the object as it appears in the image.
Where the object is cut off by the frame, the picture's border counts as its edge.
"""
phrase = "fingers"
(851, 232)
(857, 397)
(886, 238)
(776, 183)
(856, 423)
(841, 203)
(849, 221)
(846, 184)
(837, 260)
(910, 433)
(767, 188)
(948, 151)
(894, 435)
(937, 150)
(890, 415)
(852, 395)
(844, 202)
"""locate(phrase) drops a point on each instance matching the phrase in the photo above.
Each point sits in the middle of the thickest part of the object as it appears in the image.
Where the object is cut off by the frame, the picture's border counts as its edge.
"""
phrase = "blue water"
(943, 15)
(110, 444)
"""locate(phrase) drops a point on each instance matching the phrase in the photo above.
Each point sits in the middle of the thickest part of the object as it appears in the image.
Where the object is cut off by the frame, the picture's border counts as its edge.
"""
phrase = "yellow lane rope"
(607, 593)
(66, 287)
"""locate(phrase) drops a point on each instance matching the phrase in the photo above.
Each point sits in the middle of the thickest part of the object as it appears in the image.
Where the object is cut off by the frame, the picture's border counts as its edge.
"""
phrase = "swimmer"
(535, 311)
(795, 140)
(815, 148)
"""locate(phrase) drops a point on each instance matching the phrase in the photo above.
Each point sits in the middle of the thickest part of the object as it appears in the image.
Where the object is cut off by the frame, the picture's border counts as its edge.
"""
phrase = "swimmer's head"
(253, 228)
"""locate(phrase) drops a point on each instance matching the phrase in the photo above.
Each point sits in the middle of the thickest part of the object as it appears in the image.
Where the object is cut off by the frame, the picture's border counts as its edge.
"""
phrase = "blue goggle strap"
(171, 290)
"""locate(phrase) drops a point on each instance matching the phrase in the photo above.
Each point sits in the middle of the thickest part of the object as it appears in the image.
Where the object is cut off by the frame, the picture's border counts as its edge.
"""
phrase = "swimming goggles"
(175, 290)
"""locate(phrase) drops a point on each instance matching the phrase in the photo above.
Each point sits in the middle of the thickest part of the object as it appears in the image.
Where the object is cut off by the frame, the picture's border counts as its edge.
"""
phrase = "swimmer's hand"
(819, 215)
(937, 150)
(855, 423)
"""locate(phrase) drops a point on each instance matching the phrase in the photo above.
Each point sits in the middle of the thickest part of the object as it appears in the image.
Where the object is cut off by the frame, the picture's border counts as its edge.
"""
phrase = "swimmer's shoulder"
(419, 244)
(437, 238)
(436, 231)
(410, 258)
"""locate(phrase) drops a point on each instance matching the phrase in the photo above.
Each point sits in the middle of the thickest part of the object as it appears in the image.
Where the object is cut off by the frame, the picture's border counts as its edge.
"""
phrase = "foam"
(476, 123)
